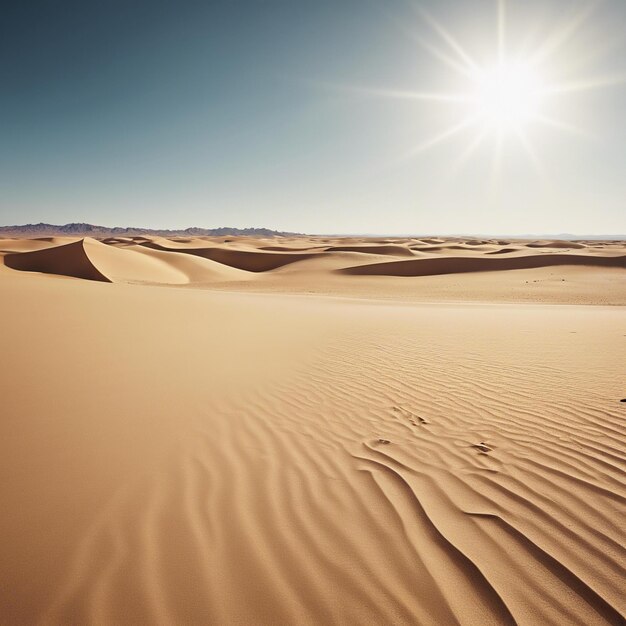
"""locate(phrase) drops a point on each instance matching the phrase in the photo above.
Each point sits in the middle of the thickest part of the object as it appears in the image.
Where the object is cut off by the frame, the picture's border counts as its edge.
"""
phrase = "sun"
(507, 96)
(507, 99)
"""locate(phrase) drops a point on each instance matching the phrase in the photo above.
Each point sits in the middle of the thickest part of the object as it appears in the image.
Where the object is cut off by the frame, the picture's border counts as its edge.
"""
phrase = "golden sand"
(312, 431)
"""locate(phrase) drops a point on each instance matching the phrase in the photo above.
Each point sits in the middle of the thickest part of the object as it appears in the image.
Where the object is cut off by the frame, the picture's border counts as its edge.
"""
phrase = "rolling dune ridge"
(429, 436)
(414, 269)
(459, 265)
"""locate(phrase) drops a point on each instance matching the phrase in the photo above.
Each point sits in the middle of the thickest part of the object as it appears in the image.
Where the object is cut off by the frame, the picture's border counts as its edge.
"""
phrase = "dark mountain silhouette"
(91, 230)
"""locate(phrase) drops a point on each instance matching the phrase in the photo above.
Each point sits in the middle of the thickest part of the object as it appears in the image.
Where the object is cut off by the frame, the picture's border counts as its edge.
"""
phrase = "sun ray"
(530, 152)
(449, 39)
(503, 98)
(438, 54)
(585, 84)
(395, 94)
(496, 163)
(441, 137)
(467, 153)
(563, 126)
(564, 34)
(501, 31)
(401, 94)
(433, 50)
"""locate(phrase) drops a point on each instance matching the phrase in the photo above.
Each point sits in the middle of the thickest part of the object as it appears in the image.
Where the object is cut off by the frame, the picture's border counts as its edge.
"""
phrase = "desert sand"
(312, 431)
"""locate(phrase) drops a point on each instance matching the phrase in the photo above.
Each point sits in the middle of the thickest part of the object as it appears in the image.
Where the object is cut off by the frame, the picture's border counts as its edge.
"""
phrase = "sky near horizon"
(334, 116)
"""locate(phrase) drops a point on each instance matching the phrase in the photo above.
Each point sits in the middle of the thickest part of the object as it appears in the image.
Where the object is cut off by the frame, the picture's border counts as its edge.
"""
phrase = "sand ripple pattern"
(451, 491)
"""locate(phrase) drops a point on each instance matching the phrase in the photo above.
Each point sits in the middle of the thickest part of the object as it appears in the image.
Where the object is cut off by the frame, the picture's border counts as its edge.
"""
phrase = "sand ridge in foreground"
(174, 455)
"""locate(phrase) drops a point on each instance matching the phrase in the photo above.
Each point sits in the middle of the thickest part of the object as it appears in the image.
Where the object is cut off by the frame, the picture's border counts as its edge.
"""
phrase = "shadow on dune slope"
(241, 259)
(67, 260)
(391, 250)
(93, 260)
(457, 265)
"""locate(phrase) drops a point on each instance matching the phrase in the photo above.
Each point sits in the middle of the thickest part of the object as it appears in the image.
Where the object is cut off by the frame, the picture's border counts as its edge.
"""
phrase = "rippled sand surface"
(392, 445)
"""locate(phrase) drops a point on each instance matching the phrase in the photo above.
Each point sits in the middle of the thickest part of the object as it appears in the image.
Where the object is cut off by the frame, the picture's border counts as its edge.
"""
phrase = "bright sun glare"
(507, 96)
(505, 99)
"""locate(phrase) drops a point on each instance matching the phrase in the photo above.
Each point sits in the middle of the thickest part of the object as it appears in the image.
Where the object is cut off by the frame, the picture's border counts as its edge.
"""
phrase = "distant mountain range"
(90, 230)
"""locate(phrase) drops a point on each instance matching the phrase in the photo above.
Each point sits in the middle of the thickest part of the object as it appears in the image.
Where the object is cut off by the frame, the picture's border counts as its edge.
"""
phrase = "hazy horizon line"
(565, 235)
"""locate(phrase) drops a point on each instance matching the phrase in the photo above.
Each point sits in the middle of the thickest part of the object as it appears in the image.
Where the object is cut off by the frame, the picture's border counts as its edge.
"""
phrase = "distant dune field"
(582, 272)
(235, 430)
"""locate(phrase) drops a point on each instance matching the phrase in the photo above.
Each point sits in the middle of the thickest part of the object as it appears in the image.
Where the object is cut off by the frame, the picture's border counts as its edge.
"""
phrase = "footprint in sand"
(411, 417)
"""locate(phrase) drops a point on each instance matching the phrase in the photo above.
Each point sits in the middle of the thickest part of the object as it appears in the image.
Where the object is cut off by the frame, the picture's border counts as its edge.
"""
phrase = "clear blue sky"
(278, 113)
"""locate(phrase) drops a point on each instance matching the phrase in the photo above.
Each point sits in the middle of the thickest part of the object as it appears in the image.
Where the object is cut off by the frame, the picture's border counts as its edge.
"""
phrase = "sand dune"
(555, 244)
(181, 452)
(196, 269)
(8, 246)
(302, 248)
(457, 265)
(392, 250)
(425, 268)
(259, 261)
(92, 260)
(70, 259)
(430, 240)
(502, 251)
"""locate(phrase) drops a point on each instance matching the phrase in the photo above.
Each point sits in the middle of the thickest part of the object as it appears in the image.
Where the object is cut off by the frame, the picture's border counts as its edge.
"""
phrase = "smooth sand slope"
(93, 260)
(175, 455)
